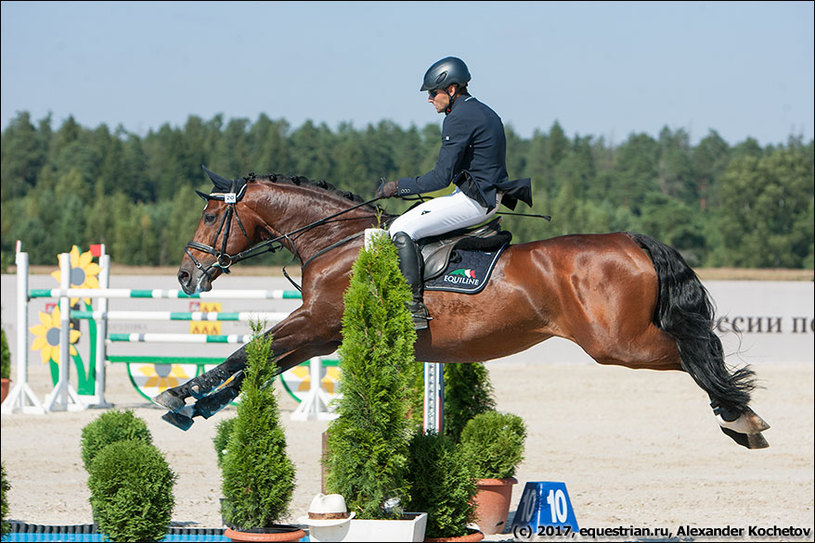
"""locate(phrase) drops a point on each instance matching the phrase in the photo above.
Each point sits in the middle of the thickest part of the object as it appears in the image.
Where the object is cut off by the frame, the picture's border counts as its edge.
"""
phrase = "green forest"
(720, 205)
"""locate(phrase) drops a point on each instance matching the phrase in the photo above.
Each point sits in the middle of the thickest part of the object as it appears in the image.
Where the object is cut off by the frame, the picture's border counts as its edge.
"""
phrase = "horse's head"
(227, 227)
(246, 217)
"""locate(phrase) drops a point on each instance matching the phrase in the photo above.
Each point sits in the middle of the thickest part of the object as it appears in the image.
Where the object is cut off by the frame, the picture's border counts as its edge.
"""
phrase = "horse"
(625, 298)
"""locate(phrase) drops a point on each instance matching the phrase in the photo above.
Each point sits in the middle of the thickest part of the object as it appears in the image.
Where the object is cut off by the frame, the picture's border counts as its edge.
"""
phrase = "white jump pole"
(21, 397)
(64, 397)
(315, 404)
(433, 397)
(98, 400)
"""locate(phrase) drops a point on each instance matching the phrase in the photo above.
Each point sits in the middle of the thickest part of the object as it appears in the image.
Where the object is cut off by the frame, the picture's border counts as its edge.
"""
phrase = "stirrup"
(418, 311)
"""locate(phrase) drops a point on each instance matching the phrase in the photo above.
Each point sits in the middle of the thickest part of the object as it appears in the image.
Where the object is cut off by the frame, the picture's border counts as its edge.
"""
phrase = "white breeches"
(441, 215)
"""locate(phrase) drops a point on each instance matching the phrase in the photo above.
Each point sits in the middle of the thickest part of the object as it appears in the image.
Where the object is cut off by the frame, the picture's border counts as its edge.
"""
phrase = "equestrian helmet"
(444, 73)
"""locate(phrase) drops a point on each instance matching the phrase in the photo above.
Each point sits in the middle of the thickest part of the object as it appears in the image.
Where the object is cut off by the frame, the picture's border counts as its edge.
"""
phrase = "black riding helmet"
(444, 73)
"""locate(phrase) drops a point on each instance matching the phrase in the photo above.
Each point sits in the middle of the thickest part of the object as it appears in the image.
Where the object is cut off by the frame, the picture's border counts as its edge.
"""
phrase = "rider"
(472, 156)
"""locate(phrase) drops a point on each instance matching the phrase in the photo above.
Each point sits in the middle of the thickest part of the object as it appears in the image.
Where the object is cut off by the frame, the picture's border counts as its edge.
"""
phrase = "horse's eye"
(209, 218)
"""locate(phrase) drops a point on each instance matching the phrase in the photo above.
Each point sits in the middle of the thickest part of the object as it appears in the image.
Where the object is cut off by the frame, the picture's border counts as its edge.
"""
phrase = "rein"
(223, 260)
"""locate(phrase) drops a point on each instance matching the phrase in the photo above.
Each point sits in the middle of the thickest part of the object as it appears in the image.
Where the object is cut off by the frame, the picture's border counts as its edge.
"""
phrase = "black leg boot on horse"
(198, 387)
(207, 406)
(410, 262)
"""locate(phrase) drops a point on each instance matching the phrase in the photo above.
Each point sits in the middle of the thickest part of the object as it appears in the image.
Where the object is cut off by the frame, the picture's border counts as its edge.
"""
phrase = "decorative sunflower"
(48, 333)
(164, 376)
(84, 272)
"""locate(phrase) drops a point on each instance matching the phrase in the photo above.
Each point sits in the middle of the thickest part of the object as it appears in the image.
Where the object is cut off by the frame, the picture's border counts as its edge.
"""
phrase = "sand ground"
(636, 449)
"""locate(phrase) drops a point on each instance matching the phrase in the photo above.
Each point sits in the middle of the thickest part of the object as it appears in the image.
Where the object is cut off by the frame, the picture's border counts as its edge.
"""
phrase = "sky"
(601, 69)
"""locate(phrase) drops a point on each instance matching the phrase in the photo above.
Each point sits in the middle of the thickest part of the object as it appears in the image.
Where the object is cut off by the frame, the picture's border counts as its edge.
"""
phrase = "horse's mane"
(301, 181)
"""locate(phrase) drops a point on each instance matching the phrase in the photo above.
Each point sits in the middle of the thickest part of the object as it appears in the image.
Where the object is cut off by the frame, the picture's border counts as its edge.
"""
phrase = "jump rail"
(64, 397)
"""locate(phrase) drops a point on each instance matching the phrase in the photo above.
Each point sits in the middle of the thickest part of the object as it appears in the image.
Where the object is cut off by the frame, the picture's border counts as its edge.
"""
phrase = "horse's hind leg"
(658, 351)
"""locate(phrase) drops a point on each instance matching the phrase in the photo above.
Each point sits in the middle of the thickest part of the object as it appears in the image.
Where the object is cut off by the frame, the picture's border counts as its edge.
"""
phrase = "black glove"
(387, 189)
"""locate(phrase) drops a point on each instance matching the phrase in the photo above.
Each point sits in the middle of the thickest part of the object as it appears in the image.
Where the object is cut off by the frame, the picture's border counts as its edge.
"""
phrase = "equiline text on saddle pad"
(467, 271)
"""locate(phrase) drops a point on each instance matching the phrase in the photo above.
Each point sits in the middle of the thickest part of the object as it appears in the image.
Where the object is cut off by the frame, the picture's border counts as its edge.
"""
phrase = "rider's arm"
(455, 138)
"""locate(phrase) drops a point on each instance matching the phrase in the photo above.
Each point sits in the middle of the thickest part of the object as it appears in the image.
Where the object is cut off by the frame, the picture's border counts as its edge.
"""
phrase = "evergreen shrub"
(257, 475)
(221, 440)
(493, 443)
(110, 427)
(442, 484)
(5, 357)
(368, 442)
(5, 486)
(131, 488)
(467, 392)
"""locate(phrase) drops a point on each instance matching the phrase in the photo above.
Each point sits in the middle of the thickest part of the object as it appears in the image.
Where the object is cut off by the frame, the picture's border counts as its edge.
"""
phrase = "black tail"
(684, 310)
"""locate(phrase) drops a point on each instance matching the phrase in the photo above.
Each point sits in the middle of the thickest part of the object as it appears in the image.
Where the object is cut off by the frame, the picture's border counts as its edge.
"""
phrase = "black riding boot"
(410, 262)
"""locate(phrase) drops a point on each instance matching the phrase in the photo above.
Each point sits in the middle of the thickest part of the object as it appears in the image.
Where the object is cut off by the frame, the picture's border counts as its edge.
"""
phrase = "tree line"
(720, 205)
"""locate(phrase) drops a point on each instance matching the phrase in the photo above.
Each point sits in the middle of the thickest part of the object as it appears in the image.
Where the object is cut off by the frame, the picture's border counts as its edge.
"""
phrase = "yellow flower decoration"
(158, 376)
(84, 272)
(48, 333)
(331, 376)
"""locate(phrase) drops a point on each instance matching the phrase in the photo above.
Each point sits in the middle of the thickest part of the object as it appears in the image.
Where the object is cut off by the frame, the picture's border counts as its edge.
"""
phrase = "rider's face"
(439, 98)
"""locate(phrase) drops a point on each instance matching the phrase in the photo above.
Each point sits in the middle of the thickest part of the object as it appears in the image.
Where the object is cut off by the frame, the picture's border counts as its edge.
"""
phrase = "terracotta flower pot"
(473, 536)
(492, 503)
(4, 389)
(280, 532)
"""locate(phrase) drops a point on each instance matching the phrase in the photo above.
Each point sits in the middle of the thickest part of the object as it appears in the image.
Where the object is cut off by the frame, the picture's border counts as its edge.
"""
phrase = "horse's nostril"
(183, 277)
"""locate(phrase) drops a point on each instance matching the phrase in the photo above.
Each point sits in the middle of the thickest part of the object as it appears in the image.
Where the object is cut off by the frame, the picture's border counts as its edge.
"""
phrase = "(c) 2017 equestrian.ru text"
(726, 532)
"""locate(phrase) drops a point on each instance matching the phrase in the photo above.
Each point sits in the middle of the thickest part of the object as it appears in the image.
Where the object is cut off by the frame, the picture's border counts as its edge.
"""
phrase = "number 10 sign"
(545, 503)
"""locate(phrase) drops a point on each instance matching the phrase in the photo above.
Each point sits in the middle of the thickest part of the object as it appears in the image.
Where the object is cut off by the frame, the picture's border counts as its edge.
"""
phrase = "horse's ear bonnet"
(223, 185)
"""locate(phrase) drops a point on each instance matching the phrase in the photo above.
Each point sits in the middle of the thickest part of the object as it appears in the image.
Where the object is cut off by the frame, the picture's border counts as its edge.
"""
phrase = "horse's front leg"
(295, 339)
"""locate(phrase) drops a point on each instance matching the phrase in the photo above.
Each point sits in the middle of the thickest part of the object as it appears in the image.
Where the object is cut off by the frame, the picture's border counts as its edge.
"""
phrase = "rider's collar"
(456, 97)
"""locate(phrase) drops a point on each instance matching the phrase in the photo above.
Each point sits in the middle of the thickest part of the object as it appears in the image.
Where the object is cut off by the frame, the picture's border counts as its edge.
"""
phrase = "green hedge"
(442, 484)
(111, 427)
(494, 444)
(131, 488)
(257, 475)
(368, 442)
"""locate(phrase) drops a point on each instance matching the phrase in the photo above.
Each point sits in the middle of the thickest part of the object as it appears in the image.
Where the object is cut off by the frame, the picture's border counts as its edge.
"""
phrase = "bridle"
(223, 260)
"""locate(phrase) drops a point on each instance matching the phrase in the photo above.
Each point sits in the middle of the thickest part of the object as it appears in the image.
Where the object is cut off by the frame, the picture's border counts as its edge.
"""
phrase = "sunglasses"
(434, 92)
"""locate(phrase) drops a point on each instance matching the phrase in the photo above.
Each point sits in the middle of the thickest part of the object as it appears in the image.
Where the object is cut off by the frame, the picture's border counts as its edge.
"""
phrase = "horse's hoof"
(749, 441)
(747, 423)
(756, 423)
(178, 420)
(757, 441)
(169, 400)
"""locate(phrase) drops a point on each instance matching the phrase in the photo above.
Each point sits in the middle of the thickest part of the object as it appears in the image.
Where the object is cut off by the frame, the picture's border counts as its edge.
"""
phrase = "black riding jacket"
(473, 156)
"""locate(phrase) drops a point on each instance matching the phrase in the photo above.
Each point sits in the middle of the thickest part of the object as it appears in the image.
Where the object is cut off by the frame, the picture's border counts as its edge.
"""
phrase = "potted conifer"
(467, 392)
(443, 486)
(131, 486)
(257, 475)
(5, 486)
(111, 427)
(367, 453)
(493, 443)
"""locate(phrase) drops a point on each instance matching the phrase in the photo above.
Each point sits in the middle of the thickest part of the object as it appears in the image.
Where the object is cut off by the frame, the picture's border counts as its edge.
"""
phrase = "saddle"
(436, 251)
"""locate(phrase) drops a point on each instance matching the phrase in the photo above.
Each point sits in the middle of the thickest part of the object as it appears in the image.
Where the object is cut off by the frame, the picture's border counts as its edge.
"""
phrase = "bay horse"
(625, 298)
